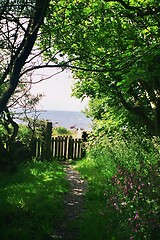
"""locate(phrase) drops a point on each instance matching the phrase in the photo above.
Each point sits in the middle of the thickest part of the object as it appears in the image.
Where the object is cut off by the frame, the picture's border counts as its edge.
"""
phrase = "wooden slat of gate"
(65, 147)
(70, 148)
(58, 146)
(55, 153)
(79, 148)
(62, 143)
(38, 148)
(52, 146)
(62, 148)
(75, 149)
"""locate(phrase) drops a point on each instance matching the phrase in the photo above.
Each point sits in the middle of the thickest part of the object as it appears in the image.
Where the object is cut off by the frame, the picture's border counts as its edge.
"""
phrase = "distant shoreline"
(43, 110)
(67, 119)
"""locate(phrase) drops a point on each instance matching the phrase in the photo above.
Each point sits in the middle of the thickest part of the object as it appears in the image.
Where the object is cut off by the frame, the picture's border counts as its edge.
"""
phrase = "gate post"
(70, 148)
(46, 150)
(33, 147)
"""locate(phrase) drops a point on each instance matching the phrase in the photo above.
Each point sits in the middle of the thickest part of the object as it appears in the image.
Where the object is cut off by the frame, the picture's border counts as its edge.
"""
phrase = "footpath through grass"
(31, 201)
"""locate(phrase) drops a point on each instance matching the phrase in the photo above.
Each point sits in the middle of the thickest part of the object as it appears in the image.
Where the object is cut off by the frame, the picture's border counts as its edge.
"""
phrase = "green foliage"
(3, 133)
(61, 131)
(24, 134)
(109, 117)
(123, 192)
(31, 201)
(114, 47)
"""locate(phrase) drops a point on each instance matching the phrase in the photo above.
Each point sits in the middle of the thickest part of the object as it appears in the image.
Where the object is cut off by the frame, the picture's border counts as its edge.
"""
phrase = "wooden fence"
(60, 148)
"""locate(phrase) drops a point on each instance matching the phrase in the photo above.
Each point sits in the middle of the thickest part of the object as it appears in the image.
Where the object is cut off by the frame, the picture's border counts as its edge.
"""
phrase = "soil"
(69, 230)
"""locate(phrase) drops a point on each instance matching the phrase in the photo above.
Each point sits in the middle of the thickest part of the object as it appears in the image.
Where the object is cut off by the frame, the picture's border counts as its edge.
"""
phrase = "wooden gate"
(61, 148)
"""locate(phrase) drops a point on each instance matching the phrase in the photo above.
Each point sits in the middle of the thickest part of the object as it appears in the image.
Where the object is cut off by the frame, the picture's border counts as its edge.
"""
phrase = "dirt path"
(73, 204)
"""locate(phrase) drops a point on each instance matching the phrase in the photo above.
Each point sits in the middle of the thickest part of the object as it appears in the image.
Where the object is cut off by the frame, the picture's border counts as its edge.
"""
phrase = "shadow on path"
(68, 230)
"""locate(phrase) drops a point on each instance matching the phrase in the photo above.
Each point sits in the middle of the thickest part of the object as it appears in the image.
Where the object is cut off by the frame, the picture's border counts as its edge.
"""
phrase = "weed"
(122, 201)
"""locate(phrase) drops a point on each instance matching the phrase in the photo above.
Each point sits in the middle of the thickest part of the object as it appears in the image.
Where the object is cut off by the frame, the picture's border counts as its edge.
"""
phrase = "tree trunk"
(11, 149)
(46, 150)
(23, 51)
(138, 111)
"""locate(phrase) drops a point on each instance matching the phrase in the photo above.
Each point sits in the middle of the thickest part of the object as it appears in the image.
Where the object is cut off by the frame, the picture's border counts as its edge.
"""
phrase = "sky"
(57, 91)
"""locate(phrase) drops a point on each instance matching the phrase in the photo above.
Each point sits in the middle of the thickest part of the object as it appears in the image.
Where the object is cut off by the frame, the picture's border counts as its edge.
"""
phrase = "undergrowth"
(123, 199)
(31, 202)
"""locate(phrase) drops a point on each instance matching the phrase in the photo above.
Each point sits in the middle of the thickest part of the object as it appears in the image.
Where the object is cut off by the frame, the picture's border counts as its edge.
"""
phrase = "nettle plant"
(136, 198)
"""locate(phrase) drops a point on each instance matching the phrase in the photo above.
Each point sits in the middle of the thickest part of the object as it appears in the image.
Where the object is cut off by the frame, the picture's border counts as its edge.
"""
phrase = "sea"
(67, 119)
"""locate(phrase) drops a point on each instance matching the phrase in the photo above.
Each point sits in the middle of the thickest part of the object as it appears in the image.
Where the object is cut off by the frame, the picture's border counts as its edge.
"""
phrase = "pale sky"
(57, 91)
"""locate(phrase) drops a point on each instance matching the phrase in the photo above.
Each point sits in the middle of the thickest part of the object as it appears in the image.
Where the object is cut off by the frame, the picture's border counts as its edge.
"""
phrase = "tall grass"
(123, 199)
(31, 201)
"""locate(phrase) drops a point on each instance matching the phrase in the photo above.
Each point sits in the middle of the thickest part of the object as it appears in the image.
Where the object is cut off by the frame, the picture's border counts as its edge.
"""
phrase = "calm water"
(66, 119)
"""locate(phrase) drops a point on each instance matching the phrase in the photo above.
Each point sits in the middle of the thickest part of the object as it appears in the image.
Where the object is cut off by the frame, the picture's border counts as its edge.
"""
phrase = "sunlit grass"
(31, 202)
(93, 225)
(122, 197)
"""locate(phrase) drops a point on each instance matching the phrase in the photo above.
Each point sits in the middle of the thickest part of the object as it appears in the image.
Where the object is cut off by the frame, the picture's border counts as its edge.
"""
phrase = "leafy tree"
(20, 21)
(26, 102)
(19, 140)
(115, 42)
(114, 50)
(19, 27)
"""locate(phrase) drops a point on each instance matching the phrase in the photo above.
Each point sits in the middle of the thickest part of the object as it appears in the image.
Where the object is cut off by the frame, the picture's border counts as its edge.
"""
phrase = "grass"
(95, 219)
(122, 201)
(63, 132)
(31, 203)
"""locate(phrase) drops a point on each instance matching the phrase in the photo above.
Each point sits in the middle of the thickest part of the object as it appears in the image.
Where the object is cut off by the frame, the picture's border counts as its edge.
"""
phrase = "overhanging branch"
(138, 111)
(64, 66)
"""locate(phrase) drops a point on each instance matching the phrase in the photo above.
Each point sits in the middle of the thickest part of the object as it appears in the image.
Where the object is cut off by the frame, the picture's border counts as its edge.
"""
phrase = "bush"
(124, 186)
(61, 131)
(3, 134)
(24, 134)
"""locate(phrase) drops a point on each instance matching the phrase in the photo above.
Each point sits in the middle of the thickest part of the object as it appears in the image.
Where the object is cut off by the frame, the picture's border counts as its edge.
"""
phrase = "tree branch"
(62, 65)
(34, 25)
(138, 111)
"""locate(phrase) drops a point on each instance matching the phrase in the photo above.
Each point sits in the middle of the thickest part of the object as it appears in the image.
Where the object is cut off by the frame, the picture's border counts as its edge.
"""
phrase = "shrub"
(24, 134)
(136, 199)
(124, 184)
(61, 131)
